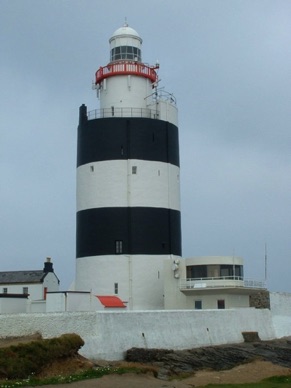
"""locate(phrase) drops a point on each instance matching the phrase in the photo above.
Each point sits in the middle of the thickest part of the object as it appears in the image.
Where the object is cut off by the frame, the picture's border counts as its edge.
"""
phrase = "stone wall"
(260, 300)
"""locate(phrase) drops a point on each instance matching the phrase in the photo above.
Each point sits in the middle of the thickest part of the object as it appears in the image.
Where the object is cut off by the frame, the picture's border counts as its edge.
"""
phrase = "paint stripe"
(127, 138)
(141, 231)
(122, 183)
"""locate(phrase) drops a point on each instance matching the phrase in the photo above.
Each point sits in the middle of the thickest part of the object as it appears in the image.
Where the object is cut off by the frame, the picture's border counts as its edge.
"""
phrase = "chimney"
(48, 265)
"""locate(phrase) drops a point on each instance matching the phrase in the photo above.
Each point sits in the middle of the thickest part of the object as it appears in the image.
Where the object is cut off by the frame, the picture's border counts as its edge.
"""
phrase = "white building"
(208, 282)
(31, 285)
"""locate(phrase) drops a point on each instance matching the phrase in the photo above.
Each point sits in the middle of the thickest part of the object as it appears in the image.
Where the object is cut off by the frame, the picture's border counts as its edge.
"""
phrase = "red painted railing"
(126, 68)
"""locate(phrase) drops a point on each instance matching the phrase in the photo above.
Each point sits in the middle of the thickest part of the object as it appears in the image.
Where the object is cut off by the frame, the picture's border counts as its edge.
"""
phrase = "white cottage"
(33, 283)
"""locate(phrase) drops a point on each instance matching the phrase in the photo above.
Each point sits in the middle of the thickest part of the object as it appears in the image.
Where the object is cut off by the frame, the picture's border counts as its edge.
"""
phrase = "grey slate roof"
(14, 277)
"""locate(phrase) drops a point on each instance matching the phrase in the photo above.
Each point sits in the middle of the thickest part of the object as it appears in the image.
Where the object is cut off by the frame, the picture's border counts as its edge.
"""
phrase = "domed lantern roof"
(125, 44)
(124, 32)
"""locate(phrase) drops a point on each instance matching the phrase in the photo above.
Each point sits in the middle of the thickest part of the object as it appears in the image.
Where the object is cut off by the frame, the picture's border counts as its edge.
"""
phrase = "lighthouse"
(128, 180)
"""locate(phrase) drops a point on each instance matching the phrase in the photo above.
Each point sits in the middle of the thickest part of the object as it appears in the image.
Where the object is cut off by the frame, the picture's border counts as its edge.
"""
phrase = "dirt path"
(247, 373)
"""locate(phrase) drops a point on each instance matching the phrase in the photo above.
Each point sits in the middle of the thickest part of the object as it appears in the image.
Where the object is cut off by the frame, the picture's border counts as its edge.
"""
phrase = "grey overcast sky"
(228, 62)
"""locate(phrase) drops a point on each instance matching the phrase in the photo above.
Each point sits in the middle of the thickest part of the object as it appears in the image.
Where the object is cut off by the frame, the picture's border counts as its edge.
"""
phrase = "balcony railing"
(122, 112)
(219, 282)
(126, 68)
(249, 283)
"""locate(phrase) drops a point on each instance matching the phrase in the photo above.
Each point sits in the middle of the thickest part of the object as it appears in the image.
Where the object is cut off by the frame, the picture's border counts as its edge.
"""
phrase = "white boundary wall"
(108, 335)
(281, 312)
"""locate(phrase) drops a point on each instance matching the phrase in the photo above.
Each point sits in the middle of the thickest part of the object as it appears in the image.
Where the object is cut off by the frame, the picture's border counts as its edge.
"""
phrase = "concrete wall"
(72, 301)
(13, 305)
(36, 306)
(209, 300)
(108, 335)
(281, 312)
(175, 330)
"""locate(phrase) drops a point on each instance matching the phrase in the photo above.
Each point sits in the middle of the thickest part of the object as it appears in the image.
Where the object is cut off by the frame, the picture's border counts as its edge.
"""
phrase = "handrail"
(126, 68)
(231, 277)
(254, 283)
(122, 112)
(221, 281)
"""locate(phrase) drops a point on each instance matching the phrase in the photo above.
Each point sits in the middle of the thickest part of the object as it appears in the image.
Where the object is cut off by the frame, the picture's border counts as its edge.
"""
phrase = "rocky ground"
(237, 363)
(218, 358)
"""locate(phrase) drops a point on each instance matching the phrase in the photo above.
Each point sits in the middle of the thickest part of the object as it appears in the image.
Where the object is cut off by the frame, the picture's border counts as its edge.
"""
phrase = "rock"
(217, 358)
(251, 336)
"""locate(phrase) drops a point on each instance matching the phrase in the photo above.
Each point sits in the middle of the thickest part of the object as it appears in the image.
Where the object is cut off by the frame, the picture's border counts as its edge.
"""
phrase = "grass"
(32, 381)
(272, 382)
(22, 360)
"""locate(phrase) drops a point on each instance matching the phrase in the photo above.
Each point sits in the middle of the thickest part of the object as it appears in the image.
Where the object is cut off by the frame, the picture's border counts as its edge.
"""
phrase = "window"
(125, 52)
(5, 290)
(118, 246)
(25, 290)
(239, 271)
(231, 271)
(196, 271)
(115, 288)
(198, 304)
(221, 304)
(134, 169)
(92, 168)
(226, 270)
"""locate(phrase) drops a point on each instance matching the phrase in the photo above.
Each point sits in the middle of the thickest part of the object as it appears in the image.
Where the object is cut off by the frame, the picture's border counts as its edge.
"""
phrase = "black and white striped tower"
(128, 190)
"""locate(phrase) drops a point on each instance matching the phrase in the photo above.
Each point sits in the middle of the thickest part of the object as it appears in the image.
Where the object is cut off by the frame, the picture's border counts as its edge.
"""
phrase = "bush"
(24, 360)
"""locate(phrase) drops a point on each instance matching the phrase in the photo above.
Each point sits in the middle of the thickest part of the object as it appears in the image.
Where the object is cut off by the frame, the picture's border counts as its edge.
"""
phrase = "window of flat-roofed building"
(198, 304)
(221, 304)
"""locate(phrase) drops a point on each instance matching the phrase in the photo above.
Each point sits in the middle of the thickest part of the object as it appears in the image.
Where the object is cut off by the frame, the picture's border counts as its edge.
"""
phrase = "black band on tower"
(127, 138)
(140, 231)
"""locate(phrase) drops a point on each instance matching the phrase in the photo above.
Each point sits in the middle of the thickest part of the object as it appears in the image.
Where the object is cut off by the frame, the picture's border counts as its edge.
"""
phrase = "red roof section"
(110, 301)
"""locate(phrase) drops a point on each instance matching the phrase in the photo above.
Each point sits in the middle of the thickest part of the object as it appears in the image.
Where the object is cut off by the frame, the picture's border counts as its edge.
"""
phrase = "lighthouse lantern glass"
(125, 53)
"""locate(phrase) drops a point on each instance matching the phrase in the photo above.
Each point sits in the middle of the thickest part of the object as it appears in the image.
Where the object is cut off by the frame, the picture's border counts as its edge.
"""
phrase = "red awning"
(111, 301)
